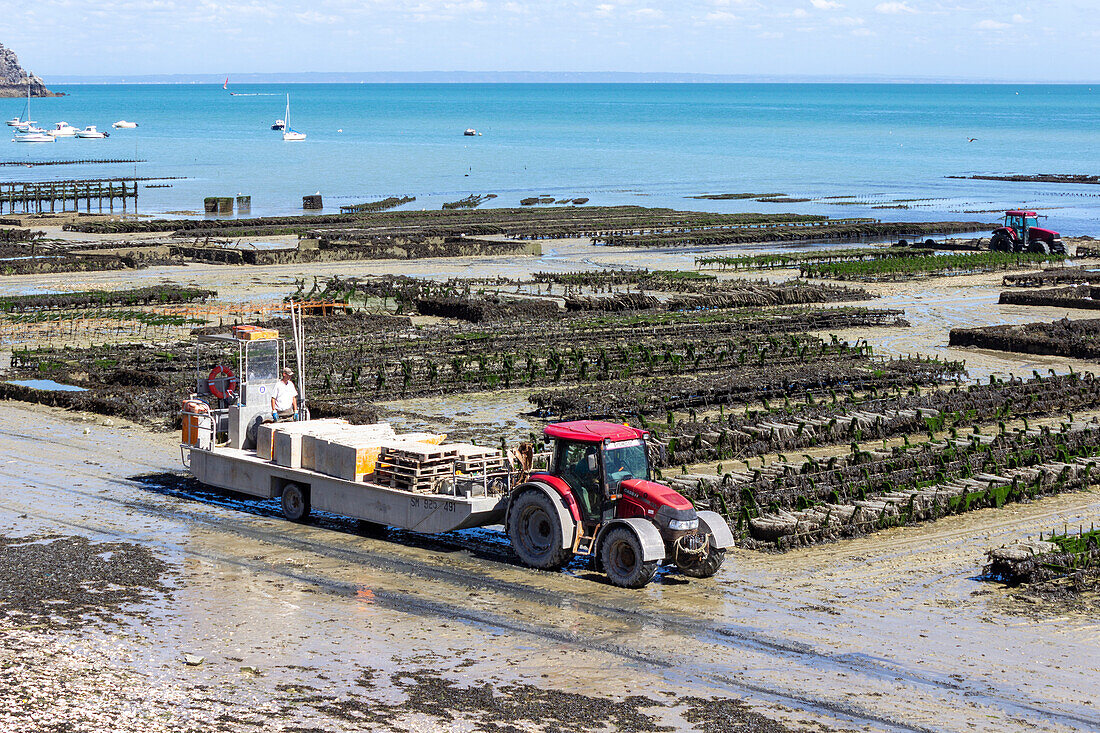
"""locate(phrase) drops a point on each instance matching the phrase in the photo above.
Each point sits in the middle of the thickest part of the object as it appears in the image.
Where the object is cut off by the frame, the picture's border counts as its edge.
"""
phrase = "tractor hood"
(1044, 232)
(653, 494)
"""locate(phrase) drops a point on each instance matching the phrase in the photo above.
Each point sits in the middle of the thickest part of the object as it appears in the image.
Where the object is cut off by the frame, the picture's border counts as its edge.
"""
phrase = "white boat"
(27, 127)
(19, 122)
(470, 132)
(33, 137)
(63, 129)
(288, 131)
(279, 125)
(90, 132)
(124, 125)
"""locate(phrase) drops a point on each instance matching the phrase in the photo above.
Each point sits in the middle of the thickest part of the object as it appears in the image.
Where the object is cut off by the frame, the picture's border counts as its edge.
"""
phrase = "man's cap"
(288, 371)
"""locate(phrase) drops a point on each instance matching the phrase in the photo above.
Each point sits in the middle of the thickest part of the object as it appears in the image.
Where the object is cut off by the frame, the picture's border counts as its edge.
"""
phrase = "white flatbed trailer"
(245, 472)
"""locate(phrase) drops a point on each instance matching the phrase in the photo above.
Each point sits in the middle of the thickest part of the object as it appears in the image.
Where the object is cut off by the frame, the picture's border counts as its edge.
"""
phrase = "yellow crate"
(258, 335)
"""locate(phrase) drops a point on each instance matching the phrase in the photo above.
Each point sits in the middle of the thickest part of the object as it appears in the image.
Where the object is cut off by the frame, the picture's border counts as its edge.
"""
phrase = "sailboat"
(288, 131)
(34, 135)
(19, 121)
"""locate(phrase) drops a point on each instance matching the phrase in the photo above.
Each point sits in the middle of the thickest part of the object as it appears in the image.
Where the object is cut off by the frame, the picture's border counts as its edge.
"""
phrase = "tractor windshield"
(625, 459)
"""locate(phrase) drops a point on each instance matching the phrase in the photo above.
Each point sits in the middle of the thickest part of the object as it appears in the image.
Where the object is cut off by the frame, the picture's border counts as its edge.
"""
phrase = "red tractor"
(1020, 233)
(597, 499)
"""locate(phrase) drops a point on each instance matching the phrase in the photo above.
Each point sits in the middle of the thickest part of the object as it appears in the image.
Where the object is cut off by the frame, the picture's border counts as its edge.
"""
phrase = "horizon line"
(535, 77)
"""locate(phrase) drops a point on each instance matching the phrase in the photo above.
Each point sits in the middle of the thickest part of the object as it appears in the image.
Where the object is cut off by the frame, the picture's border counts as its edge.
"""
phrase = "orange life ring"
(230, 384)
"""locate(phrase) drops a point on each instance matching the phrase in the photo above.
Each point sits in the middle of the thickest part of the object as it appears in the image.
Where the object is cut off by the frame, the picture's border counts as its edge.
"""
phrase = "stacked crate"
(479, 471)
(415, 467)
(475, 459)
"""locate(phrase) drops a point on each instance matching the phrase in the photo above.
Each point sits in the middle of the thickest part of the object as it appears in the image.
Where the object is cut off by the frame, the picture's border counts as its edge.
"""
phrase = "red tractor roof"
(1016, 212)
(592, 431)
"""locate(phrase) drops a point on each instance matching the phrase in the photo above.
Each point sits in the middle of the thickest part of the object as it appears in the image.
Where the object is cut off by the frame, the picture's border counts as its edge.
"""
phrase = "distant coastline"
(515, 77)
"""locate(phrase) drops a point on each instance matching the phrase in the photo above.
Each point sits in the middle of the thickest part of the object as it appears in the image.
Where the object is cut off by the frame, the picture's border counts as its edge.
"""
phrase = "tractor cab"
(1021, 221)
(594, 459)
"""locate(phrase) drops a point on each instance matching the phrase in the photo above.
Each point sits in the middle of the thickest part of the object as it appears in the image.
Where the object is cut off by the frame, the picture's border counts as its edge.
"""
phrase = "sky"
(1010, 40)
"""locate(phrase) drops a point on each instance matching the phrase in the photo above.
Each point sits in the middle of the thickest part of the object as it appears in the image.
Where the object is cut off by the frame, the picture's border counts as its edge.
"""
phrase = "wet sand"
(889, 632)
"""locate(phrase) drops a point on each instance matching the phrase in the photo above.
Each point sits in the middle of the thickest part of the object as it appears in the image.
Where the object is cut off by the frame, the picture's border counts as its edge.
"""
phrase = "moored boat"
(90, 132)
(33, 137)
(19, 122)
(288, 132)
(123, 124)
(63, 129)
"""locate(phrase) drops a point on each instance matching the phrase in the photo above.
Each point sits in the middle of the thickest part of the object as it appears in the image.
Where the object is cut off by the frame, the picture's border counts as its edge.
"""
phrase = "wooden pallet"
(415, 467)
(418, 453)
(487, 465)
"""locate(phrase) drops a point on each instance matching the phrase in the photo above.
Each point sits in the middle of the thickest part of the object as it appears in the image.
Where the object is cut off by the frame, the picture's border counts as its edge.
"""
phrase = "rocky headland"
(14, 78)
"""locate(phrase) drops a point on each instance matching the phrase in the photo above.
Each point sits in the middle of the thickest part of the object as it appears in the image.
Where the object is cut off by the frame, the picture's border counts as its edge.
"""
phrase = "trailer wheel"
(536, 532)
(295, 503)
(621, 556)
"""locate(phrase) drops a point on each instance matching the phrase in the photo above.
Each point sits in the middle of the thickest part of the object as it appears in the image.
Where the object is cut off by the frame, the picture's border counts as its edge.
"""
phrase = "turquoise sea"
(646, 144)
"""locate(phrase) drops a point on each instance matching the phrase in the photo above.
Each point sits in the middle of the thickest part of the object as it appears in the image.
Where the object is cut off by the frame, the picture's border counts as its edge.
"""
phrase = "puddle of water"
(47, 385)
(263, 246)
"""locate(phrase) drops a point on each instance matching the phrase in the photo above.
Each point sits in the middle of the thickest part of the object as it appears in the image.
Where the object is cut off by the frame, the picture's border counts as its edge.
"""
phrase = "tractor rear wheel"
(1001, 242)
(536, 532)
(295, 503)
(1038, 246)
(621, 555)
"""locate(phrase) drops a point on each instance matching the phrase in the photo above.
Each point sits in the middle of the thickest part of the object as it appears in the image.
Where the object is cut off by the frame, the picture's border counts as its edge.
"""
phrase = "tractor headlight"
(683, 524)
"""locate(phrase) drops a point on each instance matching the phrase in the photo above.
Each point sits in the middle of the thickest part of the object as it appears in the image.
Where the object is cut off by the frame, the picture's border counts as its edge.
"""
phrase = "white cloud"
(863, 32)
(895, 7)
(651, 13)
(474, 5)
(991, 25)
(721, 16)
(312, 16)
(1017, 18)
(848, 21)
(826, 4)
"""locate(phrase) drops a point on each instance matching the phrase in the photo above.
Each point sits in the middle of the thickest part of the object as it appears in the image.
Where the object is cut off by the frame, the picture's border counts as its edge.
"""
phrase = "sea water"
(876, 145)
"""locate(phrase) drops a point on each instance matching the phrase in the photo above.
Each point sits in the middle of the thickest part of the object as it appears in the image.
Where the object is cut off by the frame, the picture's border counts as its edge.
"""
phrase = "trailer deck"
(245, 472)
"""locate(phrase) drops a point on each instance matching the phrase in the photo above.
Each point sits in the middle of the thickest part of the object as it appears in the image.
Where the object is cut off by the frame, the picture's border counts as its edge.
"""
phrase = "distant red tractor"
(598, 499)
(1020, 233)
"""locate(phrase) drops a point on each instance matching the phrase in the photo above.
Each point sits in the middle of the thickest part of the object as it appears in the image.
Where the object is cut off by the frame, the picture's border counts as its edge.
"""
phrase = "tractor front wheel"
(621, 555)
(295, 503)
(536, 532)
(708, 566)
(1038, 246)
(1001, 242)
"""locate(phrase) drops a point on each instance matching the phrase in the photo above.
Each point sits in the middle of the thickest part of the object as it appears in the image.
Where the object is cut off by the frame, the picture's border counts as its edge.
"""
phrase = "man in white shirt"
(284, 398)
